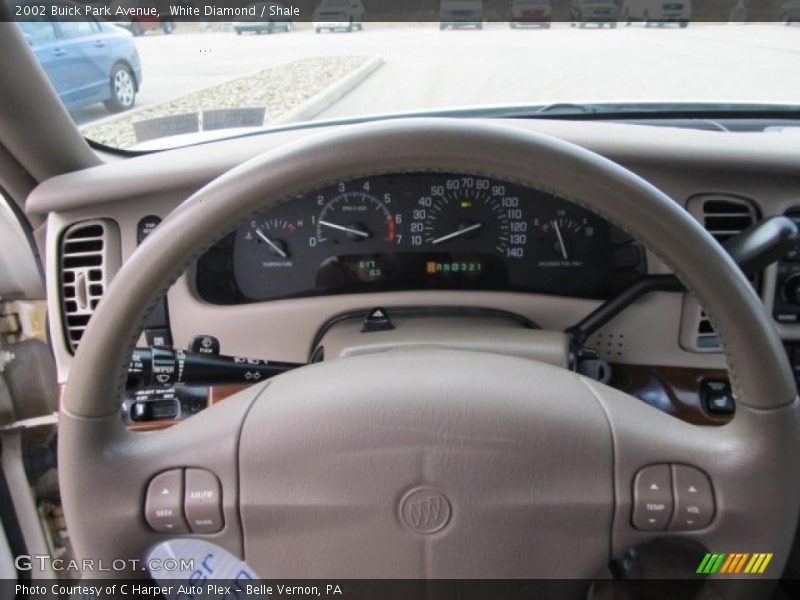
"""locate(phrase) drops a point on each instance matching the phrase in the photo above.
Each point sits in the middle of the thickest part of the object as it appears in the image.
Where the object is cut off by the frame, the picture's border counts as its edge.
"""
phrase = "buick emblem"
(425, 510)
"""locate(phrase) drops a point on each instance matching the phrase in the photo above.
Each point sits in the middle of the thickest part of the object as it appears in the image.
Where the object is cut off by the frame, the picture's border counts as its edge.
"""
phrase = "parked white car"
(461, 13)
(339, 14)
(657, 11)
(789, 11)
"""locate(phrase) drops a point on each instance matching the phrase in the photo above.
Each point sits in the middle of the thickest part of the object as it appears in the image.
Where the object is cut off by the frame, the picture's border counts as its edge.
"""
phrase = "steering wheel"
(435, 463)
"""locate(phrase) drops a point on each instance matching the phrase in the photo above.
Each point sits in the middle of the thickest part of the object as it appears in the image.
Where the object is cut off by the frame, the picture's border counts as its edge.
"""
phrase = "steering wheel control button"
(163, 507)
(717, 397)
(204, 344)
(652, 498)
(694, 499)
(203, 501)
(425, 510)
(377, 320)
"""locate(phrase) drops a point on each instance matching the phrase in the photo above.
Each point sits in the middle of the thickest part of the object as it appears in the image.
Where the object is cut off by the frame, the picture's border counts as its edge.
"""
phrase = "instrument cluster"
(419, 232)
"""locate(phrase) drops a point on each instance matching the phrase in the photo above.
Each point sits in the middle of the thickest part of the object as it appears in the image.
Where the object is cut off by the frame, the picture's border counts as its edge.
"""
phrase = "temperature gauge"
(273, 236)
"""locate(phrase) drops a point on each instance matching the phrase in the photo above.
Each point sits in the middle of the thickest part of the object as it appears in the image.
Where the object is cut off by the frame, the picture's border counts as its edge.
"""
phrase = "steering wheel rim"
(94, 446)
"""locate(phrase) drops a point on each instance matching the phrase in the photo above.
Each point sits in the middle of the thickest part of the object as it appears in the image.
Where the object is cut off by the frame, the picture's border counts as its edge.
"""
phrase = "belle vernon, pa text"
(181, 591)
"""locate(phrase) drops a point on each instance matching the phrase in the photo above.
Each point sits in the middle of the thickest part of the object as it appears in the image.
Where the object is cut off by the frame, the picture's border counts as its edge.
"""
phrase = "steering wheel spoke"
(721, 483)
(123, 473)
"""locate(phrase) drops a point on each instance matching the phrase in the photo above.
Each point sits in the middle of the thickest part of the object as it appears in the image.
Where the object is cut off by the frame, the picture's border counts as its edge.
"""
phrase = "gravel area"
(278, 89)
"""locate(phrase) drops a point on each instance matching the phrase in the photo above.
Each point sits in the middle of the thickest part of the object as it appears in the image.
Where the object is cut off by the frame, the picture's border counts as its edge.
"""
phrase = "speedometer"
(465, 213)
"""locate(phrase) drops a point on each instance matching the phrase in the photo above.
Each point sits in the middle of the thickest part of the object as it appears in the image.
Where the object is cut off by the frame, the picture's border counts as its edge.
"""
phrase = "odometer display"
(420, 231)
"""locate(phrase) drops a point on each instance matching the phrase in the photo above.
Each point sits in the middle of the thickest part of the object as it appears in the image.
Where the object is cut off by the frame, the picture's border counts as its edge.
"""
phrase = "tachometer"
(469, 214)
(353, 216)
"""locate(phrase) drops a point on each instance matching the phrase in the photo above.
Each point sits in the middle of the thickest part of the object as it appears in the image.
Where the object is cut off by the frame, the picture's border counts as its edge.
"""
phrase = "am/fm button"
(203, 501)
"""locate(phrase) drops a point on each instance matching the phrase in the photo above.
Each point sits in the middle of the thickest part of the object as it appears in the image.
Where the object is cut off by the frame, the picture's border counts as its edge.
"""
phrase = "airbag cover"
(427, 464)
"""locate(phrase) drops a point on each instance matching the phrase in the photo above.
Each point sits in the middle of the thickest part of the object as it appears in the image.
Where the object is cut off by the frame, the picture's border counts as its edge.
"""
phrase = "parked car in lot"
(339, 14)
(139, 25)
(461, 13)
(531, 12)
(789, 12)
(87, 61)
(593, 11)
(273, 19)
(657, 11)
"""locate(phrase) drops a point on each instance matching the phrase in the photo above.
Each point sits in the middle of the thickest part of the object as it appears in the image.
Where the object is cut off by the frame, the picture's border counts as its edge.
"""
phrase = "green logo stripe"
(702, 567)
(711, 563)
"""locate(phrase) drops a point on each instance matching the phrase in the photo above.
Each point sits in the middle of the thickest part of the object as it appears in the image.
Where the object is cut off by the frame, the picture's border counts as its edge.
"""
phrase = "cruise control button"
(694, 499)
(163, 509)
(203, 501)
(652, 498)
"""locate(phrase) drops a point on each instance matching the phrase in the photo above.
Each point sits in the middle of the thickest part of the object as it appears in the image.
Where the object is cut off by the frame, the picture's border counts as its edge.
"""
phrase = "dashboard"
(420, 231)
(694, 167)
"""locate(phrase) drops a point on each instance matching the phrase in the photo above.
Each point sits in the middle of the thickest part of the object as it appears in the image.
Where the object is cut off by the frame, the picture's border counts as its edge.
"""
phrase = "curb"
(112, 118)
(329, 96)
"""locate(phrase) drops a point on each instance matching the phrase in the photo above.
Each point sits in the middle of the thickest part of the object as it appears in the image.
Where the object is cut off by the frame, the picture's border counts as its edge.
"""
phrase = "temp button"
(652, 498)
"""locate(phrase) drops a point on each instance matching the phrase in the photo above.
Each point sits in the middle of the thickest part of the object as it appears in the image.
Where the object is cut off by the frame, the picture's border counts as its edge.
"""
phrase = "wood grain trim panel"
(673, 390)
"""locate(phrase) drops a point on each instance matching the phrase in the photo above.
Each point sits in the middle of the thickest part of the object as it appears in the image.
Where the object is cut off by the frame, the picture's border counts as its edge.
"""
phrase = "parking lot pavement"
(427, 68)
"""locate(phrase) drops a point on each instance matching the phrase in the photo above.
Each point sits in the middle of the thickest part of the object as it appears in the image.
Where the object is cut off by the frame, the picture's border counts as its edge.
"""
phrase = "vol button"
(694, 499)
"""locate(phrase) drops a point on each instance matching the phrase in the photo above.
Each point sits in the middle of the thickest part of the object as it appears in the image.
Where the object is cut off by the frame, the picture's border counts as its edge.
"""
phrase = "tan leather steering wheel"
(536, 464)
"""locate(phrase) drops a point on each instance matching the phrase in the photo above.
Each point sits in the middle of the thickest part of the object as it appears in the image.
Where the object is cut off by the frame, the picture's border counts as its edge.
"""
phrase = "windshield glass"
(152, 80)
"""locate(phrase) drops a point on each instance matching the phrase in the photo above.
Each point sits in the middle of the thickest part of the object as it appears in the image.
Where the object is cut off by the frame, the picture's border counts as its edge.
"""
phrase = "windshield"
(155, 81)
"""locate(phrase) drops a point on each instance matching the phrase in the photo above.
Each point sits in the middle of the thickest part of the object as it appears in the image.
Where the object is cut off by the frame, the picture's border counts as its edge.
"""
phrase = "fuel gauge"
(568, 239)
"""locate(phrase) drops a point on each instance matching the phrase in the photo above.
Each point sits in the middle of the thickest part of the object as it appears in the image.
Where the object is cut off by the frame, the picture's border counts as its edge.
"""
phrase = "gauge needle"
(271, 244)
(560, 240)
(345, 229)
(457, 233)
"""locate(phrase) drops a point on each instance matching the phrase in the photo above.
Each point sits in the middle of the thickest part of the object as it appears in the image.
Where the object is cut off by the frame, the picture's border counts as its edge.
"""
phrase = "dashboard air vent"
(723, 216)
(89, 257)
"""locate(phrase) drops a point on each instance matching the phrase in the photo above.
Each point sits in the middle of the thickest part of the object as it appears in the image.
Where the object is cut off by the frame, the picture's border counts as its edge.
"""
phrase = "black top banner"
(455, 13)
